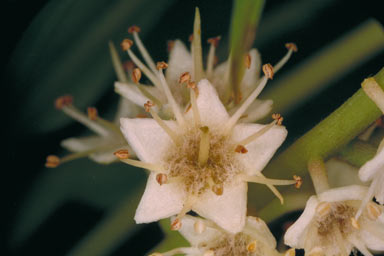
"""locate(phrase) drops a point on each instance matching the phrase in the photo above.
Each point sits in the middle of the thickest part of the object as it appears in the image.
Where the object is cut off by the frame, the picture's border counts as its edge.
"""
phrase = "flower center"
(202, 160)
(239, 244)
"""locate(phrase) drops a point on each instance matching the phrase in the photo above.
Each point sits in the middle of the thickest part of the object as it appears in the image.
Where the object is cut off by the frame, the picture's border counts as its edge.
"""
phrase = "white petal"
(257, 110)
(370, 168)
(252, 74)
(147, 138)
(212, 111)
(127, 108)
(159, 202)
(341, 173)
(257, 229)
(80, 144)
(379, 189)
(188, 231)
(131, 92)
(373, 242)
(180, 61)
(218, 78)
(296, 234)
(353, 192)
(228, 210)
(261, 150)
(107, 156)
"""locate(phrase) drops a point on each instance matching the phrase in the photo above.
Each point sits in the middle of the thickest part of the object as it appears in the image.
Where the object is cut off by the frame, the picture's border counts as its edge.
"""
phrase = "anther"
(190, 38)
(218, 189)
(148, 105)
(248, 61)
(191, 85)
(279, 119)
(170, 45)
(268, 70)
(161, 178)
(214, 41)
(355, 223)
(126, 44)
(92, 113)
(251, 247)
(291, 46)
(290, 252)
(185, 78)
(373, 210)
(136, 75)
(176, 224)
(323, 209)
(133, 29)
(63, 101)
(199, 226)
(298, 180)
(209, 253)
(241, 149)
(122, 154)
(52, 161)
(161, 65)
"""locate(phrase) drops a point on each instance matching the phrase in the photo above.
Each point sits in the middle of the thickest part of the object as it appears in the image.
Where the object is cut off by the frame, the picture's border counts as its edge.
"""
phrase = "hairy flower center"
(184, 162)
(231, 245)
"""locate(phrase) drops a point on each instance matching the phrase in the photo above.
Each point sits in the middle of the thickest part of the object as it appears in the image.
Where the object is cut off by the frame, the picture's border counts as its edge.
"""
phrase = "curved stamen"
(123, 155)
(291, 48)
(211, 55)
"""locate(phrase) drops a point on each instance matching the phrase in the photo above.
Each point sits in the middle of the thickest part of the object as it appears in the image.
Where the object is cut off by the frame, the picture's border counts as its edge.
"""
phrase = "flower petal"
(130, 92)
(180, 61)
(147, 138)
(257, 229)
(372, 234)
(295, 235)
(370, 168)
(81, 144)
(257, 110)
(353, 192)
(127, 108)
(195, 239)
(227, 210)
(107, 156)
(252, 74)
(261, 150)
(159, 201)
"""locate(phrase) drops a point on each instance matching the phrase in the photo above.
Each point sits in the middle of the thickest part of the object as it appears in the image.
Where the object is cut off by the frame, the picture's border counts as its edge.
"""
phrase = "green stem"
(314, 74)
(326, 138)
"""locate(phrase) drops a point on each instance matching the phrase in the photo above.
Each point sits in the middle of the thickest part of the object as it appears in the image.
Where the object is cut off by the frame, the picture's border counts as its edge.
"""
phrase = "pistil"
(204, 146)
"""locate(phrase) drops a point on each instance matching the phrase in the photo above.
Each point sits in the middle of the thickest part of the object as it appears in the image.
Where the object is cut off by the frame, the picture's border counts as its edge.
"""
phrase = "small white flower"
(328, 227)
(207, 239)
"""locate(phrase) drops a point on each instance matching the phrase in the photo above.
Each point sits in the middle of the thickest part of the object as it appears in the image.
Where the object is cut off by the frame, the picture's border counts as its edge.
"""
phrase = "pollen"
(52, 161)
(63, 101)
(268, 70)
(176, 224)
(133, 29)
(214, 41)
(161, 65)
(241, 149)
(299, 181)
(92, 113)
(291, 46)
(136, 75)
(148, 105)
(251, 247)
(126, 44)
(185, 78)
(161, 178)
(122, 154)
(279, 119)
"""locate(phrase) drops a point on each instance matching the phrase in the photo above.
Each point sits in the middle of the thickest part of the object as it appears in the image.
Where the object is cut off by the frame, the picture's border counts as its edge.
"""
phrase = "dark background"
(25, 149)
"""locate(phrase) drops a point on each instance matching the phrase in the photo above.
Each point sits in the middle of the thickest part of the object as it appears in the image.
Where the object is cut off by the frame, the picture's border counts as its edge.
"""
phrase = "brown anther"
(176, 224)
(355, 223)
(373, 210)
(291, 46)
(191, 85)
(298, 180)
(323, 209)
(63, 101)
(251, 247)
(170, 45)
(279, 119)
(161, 65)
(126, 44)
(52, 161)
(141, 116)
(190, 38)
(136, 75)
(161, 178)
(218, 189)
(268, 70)
(92, 113)
(248, 61)
(185, 78)
(148, 105)
(241, 149)
(290, 252)
(122, 154)
(133, 28)
(214, 41)
(128, 65)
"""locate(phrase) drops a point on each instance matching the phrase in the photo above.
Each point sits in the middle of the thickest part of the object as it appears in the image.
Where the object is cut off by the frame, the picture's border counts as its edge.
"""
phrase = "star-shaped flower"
(203, 160)
(328, 227)
(207, 239)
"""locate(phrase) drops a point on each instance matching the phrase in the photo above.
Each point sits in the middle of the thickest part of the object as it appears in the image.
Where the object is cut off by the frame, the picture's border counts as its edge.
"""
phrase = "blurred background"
(51, 48)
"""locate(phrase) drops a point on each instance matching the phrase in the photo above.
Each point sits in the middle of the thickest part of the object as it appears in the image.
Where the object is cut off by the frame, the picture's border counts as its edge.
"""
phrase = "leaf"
(65, 51)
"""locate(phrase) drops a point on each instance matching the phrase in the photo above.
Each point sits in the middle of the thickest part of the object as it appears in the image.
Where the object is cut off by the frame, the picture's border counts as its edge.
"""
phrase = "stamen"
(161, 178)
(204, 146)
(133, 29)
(193, 93)
(197, 50)
(263, 180)
(185, 78)
(248, 61)
(126, 44)
(299, 181)
(251, 247)
(117, 65)
(176, 224)
(323, 209)
(168, 94)
(268, 70)
(257, 134)
(241, 149)
(355, 223)
(279, 119)
(291, 48)
(120, 154)
(52, 161)
(199, 226)
(63, 101)
(129, 66)
(218, 189)
(148, 108)
(136, 75)
(373, 211)
(211, 55)
(240, 111)
(92, 113)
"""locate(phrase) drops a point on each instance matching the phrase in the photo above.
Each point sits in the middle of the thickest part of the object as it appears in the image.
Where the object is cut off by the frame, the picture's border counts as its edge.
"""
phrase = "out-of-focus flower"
(328, 227)
(207, 239)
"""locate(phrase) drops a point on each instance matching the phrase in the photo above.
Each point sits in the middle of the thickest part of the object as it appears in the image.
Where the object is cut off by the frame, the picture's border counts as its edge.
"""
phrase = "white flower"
(208, 239)
(328, 227)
